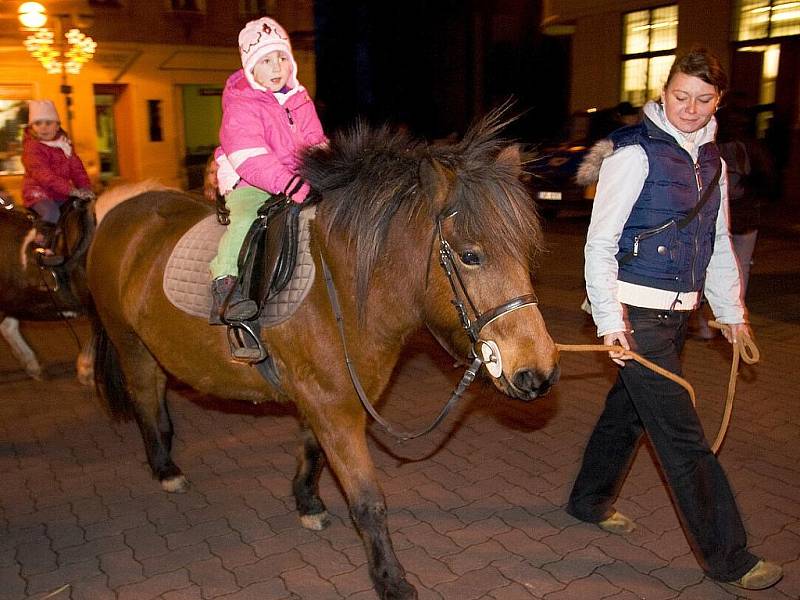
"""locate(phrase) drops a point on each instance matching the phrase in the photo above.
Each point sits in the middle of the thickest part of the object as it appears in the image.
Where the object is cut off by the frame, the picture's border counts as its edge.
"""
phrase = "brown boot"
(238, 309)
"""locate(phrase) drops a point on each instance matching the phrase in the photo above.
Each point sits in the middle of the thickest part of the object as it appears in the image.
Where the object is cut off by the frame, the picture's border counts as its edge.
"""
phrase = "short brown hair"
(702, 64)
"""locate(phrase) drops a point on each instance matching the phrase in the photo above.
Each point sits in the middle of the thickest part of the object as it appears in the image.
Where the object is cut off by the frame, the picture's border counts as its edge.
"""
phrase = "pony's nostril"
(533, 383)
(526, 380)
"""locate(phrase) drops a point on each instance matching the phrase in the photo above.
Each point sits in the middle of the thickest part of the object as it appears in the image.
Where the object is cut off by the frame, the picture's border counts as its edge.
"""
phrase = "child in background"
(53, 171)
(268, 118)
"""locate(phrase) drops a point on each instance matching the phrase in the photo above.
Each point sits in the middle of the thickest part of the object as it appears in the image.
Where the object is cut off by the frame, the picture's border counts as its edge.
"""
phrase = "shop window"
(649, 40)
(13, 118)
(762, 19)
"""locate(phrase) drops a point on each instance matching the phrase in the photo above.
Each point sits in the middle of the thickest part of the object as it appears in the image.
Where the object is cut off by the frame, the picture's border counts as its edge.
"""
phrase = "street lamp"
(57, 51)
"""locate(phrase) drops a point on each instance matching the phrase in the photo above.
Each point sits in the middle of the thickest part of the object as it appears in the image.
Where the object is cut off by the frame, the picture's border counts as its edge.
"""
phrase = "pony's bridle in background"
(482, 352)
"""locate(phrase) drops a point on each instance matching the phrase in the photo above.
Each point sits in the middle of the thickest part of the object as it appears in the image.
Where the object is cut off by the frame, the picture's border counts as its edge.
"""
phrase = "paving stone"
(268, 568)
(192, 592)
(478, 532)
(175, 559)
(197, 533)
(12, 585)
(475, 557)
(214, 580)
(573, 538)
(121, 568)
(306, 583)
(578, 564)
(474, 584)
(155, 586)
(145, 542)
(593, 586)
(267, 590)
(627, 578)
(231, 550)
(52, 580)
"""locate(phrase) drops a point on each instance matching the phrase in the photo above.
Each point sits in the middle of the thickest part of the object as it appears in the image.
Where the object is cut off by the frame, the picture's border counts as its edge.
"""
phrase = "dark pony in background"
(384, 202)
(29, 293)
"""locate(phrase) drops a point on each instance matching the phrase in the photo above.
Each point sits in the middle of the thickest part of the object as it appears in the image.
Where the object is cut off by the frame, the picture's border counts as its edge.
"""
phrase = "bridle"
(486, 349)
(482, 352)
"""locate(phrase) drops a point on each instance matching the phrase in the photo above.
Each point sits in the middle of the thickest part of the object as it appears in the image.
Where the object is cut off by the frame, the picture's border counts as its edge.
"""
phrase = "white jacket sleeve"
(723, 279)
(622, 177)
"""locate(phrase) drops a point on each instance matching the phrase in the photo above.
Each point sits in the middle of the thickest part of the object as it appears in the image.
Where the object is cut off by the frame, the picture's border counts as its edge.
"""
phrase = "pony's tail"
(108, 376)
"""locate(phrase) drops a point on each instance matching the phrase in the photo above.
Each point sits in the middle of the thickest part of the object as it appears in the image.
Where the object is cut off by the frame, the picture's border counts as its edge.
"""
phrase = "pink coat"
(49, 173)
(262, 139)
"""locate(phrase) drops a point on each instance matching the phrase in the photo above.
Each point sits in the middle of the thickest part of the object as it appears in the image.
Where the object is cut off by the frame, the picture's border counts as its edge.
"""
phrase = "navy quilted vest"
(652, 250)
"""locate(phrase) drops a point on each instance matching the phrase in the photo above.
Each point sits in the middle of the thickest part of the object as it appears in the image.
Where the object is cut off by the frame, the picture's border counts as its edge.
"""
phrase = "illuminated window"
(649, 42)
(759, 19)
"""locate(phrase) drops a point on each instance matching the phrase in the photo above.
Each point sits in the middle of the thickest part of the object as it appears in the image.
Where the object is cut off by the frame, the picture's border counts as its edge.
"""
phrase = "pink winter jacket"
(262, 139)
(49, 173)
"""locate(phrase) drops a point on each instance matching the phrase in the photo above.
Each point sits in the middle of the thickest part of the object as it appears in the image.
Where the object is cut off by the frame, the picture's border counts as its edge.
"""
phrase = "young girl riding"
(268, 118)
(53, 171)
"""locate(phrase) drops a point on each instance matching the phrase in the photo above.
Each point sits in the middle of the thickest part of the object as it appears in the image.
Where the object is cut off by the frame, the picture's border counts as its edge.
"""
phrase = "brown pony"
(31, 293)
(382, 198)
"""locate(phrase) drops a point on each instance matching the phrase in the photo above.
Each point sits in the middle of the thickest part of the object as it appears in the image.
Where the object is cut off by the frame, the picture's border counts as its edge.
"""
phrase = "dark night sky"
(415, 62)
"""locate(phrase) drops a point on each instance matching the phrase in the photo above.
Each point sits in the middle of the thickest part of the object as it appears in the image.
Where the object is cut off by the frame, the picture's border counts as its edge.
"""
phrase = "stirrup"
(48, 260)
(241, 338)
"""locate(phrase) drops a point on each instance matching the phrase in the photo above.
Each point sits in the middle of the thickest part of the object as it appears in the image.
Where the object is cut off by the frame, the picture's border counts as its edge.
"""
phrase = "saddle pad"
(187, 279)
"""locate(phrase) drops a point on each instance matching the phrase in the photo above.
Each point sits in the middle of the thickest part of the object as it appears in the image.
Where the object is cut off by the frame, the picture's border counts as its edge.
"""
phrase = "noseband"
(483, 352)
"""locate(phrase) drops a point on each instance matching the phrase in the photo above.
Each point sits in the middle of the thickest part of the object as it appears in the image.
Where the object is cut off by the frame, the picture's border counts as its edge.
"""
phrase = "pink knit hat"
(42, 110)
(259, 38)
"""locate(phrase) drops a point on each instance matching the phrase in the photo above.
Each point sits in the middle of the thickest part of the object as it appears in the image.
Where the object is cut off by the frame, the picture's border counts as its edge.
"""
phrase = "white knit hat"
(42, 110)
(259, 38)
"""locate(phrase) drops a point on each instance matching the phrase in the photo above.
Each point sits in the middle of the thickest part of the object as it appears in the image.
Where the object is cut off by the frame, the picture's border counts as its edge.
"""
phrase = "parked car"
(552, 169)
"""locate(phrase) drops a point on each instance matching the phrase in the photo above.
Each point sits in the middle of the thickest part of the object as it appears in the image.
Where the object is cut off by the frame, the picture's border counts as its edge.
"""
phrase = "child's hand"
(82, 194)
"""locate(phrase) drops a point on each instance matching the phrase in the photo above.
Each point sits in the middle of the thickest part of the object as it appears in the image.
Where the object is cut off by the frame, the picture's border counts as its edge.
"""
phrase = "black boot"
(45, 255)
(238, 309)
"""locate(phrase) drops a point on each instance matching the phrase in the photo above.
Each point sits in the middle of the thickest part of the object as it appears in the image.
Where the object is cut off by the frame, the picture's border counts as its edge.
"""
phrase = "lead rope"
(744, 348)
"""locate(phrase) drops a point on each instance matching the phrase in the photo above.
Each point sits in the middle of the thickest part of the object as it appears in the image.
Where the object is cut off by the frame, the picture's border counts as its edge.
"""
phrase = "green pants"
(243, 204)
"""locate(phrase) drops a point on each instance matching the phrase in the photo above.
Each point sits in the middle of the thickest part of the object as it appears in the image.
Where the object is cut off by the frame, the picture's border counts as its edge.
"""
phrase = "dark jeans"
(644, 402)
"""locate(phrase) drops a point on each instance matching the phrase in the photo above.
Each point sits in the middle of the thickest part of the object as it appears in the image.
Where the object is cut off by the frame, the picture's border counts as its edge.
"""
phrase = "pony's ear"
(434, 182)
(510, 157)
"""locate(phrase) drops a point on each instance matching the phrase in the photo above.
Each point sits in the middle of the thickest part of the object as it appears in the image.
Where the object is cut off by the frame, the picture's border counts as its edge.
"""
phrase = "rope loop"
(744, 348)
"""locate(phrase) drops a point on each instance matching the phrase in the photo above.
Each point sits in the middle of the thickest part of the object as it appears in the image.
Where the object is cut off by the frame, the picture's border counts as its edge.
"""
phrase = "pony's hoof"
(35, 373)
(316, 522)
(175, 485)
(403, 591)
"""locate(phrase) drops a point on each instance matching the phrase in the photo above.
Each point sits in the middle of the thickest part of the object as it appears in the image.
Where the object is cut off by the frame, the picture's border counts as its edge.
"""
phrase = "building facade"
(621, 50)
(147, 105)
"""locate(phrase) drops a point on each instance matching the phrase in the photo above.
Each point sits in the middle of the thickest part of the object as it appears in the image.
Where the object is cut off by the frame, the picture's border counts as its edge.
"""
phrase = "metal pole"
(65, 89)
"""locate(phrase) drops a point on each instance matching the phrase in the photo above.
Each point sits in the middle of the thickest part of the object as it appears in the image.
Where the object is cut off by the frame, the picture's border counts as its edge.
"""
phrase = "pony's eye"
(470, 258)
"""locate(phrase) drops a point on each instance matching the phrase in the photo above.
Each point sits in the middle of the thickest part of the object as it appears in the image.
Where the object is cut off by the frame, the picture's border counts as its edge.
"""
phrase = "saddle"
(270, 248)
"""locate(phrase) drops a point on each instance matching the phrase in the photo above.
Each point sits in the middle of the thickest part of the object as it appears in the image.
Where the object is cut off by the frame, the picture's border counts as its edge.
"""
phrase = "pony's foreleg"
(84, 365)
(9, 328)
(313, 514)
(345, 444)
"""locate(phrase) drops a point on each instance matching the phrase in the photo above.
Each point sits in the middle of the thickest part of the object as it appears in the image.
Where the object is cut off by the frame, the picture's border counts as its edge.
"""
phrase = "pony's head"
(414, 207)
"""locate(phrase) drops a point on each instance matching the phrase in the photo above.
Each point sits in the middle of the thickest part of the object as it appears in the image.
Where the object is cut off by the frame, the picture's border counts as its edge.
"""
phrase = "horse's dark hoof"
(316, 522)
(403, 591)
(175, 485)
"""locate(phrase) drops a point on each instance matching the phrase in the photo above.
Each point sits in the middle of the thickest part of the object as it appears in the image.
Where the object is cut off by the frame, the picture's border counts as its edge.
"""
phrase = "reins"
(744, 348)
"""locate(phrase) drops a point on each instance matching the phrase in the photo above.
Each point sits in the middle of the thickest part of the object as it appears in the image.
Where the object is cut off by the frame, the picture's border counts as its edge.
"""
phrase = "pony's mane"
(117, 195)
(369, 176)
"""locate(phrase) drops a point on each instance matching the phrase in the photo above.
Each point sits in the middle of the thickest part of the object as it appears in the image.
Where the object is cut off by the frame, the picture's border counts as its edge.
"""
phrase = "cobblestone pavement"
(475, 509)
